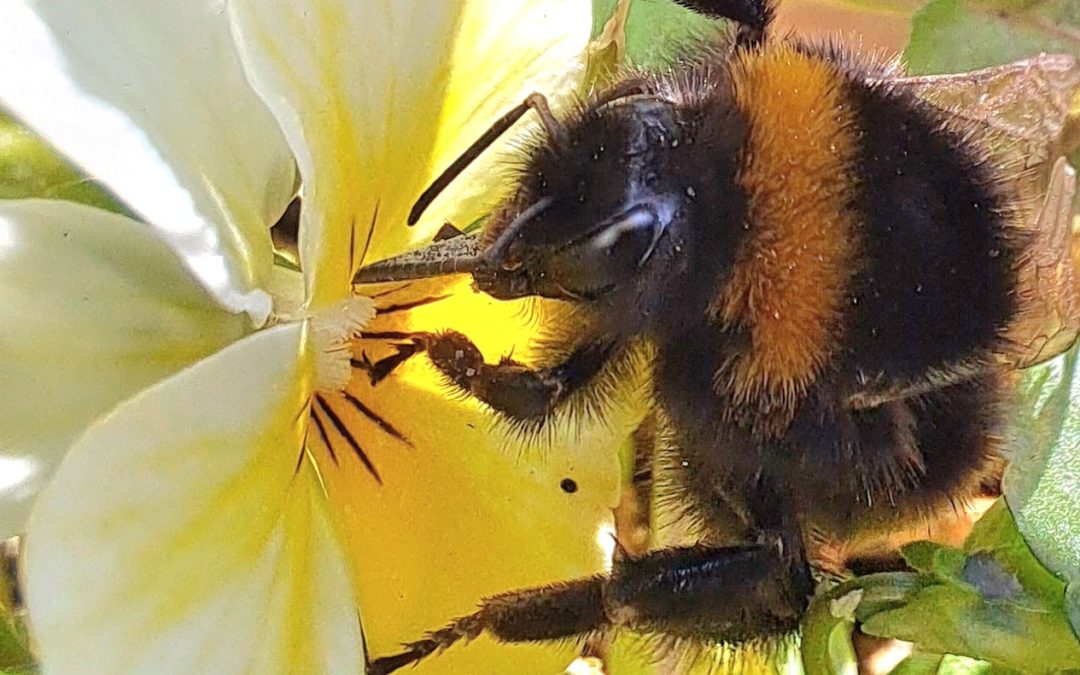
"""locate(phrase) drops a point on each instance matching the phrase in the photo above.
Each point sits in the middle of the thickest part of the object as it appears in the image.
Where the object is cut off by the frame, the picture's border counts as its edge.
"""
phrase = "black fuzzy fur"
(939, 257)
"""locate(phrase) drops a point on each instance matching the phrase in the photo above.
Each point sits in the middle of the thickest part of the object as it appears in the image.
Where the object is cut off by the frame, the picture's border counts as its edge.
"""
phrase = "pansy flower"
(215, 486)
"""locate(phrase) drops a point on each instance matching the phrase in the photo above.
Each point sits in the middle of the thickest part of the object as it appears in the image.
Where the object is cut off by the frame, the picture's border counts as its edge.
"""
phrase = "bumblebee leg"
(519, 392)
(725, 594)
(379, 370)
(512, 388)
(553, 612)
(956, 435)
(753, 16)
(729, 594)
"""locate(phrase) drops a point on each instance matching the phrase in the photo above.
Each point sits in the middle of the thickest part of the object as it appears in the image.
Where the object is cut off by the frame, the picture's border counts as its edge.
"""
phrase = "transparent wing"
(1049, 321)
(1022, 109)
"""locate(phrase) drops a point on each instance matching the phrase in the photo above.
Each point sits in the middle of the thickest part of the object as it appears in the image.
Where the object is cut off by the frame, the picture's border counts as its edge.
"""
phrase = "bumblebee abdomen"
(787, 290)
(939, 263)
(877, 245)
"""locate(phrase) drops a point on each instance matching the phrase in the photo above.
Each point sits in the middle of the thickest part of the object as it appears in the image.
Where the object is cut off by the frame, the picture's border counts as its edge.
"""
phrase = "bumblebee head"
(594, 209)
(601, 211)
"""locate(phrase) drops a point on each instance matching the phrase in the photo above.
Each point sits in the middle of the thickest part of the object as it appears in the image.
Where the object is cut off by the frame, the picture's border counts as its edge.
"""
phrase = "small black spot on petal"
(568, 485)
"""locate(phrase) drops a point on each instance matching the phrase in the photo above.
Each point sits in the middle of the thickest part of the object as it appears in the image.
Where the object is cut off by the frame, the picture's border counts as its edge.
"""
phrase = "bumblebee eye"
(632, 235)
(609, 257)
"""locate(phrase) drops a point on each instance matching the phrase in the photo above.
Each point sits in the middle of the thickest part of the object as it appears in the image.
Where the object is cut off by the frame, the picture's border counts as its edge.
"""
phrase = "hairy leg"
(521, 393)
(728, 594)
(553, 612)
(955, 436)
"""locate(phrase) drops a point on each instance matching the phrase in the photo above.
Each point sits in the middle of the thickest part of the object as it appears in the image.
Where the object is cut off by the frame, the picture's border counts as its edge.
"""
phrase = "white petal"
(149, 98)
(377, 97)
(93, 308)
(180, 536)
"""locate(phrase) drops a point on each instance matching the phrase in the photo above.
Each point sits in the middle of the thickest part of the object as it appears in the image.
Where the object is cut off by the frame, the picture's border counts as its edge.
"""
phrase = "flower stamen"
(332, 331)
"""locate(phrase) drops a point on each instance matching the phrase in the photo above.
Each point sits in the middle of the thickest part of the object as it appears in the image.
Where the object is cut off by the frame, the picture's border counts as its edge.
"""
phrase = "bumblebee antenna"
(534, 101)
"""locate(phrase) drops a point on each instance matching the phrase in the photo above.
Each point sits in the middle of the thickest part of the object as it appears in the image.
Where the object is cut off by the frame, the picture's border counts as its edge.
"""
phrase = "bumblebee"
(827, 277)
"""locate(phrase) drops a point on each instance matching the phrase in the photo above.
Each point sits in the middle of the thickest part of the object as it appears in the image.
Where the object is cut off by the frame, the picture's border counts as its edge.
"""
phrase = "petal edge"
(194, 556)
(151, 100)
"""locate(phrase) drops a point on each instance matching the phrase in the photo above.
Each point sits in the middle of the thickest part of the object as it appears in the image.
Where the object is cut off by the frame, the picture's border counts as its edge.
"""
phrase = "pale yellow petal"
(374, 96)
(93, 308)
(181, 535)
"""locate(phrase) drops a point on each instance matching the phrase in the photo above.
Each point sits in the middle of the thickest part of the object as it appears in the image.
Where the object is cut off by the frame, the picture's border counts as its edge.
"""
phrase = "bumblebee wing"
(1049, 318)
(1025, 117)
(1022, 108)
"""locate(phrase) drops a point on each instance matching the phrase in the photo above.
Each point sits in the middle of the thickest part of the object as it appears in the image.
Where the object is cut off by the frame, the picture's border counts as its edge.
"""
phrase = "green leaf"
(991, 601)
(931, 558)
(657, 31)
(961, 665)
(826, 640)
(1042, 484)
(919, 664)
(936, 664)
(15, 656)
(30, 168)
(827, 626)
(956, 619)
(14, 652)
(920, 555)
(953, 36)
(996, 534)
(999, 605)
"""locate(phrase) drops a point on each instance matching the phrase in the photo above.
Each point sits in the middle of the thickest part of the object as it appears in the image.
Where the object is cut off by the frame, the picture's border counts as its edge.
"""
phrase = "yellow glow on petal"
(318, 629)
(464, 510)
(504, 52)
(378, 97)
(497, 328)
(460, 517)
